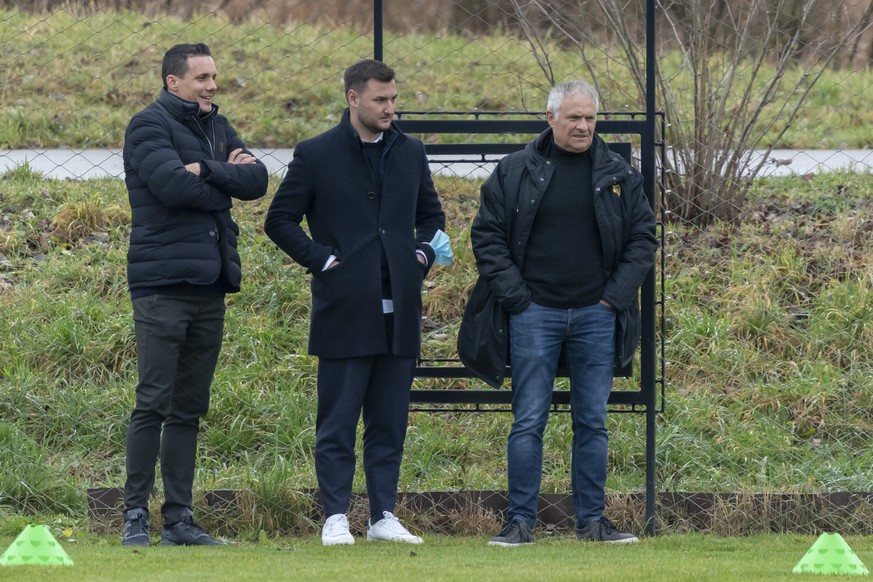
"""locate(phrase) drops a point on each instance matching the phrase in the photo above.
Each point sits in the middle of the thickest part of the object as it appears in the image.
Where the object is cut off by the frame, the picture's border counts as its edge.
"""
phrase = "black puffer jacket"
(509, 201)
(182, 231)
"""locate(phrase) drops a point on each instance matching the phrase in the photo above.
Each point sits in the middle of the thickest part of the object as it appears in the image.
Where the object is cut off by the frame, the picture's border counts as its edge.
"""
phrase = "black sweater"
(562, 265)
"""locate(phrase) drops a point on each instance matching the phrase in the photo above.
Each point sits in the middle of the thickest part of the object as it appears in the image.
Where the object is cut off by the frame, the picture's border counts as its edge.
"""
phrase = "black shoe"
(514, 533)
(604, 530)
(136, 528)
(187, 533)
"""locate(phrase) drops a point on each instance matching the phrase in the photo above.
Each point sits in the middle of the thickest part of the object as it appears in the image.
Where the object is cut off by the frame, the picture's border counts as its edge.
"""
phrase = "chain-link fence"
(766, 218)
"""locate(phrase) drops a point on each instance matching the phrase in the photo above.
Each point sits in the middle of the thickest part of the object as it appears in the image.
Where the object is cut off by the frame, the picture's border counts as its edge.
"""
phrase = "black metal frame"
(644, 125)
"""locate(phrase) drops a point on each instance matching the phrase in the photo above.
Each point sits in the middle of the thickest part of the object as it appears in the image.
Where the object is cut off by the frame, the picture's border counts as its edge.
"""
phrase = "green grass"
(74, 81)
(769, 321)
(769, 362)
(673, 558)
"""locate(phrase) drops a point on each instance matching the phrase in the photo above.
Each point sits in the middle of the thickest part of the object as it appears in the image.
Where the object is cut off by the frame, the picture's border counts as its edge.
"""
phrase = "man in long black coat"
(366, 192)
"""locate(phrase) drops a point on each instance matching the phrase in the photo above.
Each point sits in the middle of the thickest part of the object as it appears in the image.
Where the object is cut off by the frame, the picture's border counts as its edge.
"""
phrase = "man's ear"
(353, 98)
(172, 83)
(550, 117)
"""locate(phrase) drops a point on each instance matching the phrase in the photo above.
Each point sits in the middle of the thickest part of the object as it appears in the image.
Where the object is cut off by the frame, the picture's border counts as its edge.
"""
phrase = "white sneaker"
(336, 531)
(389, 529)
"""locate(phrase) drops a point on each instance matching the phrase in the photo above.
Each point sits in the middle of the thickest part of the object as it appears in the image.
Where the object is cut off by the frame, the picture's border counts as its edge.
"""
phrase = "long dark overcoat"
(329, 184)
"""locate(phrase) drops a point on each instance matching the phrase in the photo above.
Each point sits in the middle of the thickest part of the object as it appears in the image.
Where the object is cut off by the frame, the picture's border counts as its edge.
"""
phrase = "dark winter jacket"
(509, 201)
(182, 231)
(329, 182)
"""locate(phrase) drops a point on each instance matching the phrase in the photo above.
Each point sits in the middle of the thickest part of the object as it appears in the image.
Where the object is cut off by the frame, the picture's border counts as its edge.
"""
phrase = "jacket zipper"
(208, 141)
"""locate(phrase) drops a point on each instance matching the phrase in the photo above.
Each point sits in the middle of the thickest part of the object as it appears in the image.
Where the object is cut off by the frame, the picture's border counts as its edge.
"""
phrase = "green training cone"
(35, 546)
(830, 554)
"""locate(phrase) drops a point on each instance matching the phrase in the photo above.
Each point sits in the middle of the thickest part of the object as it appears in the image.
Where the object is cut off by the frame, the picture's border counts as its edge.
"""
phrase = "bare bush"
(859, 53)
(745, 70)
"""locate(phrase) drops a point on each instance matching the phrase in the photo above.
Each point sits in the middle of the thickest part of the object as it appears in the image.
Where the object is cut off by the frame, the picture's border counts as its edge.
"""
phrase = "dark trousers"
(378, 385)
(177, 343)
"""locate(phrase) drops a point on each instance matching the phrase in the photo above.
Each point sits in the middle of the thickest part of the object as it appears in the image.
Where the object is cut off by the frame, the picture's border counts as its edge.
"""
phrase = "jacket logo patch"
(616, 189)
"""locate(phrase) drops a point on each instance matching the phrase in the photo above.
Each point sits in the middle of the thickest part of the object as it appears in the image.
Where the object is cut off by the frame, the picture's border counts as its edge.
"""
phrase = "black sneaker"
(515, 533)
(604, 530)
(136, 528)
(187, 533)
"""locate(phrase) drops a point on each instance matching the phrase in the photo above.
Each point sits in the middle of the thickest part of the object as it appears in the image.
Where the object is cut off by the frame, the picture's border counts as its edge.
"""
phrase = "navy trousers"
(378, 385)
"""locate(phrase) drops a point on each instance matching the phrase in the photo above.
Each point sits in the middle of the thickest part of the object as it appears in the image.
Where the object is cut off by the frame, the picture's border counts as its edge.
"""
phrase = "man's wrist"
(423, 255)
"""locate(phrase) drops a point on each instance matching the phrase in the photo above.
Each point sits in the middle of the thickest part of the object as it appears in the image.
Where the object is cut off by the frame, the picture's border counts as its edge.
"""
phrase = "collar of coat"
(180, 108)
(390, 135)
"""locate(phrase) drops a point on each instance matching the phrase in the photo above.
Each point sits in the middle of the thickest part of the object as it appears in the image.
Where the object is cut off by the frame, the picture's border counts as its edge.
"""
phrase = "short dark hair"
(358, 74)
(176, 59)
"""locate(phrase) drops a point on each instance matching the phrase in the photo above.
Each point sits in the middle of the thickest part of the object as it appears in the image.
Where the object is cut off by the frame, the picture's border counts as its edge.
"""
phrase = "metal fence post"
(647, 344)
(377, 30)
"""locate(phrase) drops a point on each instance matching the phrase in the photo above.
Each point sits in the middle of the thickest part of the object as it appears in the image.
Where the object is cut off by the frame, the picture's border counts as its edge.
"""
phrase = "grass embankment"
(770, 384)
(74, 81)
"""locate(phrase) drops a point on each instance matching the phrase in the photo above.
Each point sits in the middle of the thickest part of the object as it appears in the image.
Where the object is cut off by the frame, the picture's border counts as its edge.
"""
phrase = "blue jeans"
(587, 336)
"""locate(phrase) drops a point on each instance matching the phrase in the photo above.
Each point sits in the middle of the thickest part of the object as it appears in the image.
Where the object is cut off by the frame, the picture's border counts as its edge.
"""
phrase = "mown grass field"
(770, 320)
(684, 558)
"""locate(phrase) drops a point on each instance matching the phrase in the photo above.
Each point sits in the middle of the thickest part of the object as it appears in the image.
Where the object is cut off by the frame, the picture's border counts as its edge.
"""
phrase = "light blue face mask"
(442, 248)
